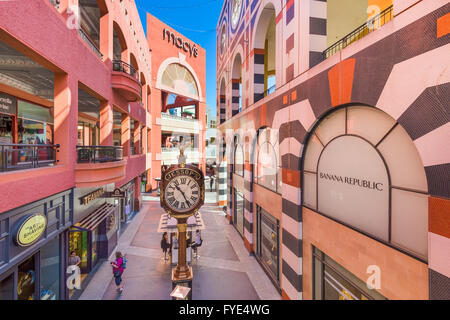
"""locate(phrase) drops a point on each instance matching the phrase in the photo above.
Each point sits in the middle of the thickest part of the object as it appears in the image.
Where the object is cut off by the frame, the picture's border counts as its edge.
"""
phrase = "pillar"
(106, 124)
(258, 79)
(137, 137)
(66, 118)
(106, 37)
(126, 134)
(235, 96)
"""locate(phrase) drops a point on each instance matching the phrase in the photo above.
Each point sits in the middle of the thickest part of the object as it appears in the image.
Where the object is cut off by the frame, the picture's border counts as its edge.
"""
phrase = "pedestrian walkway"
(225, 270)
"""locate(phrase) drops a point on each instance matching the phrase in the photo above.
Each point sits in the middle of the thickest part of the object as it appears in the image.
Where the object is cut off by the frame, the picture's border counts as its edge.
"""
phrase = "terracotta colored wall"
(402, 277)
(41, 33)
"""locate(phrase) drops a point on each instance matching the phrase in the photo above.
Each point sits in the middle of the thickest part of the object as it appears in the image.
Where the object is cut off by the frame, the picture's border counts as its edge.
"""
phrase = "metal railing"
(26, 156)
(90, 43)
(269, 90)
(99, 154)
(119, 65)
(371, 25)
(180, 118)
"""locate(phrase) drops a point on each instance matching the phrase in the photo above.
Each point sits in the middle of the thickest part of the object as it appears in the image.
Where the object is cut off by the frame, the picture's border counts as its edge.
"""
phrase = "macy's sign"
(180, 43)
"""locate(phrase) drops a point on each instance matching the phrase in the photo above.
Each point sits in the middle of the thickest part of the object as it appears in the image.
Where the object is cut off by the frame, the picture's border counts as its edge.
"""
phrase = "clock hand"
(182, 193)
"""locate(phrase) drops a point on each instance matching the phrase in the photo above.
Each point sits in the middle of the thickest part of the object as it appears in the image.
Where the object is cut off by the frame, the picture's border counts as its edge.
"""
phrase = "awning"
(91, 222)
(169, 224)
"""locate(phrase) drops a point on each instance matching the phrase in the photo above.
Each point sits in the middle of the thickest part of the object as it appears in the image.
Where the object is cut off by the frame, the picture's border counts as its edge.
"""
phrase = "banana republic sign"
(180, 43)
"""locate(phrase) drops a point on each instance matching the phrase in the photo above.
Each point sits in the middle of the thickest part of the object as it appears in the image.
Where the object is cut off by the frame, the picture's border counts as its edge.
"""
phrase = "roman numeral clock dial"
(183, 191)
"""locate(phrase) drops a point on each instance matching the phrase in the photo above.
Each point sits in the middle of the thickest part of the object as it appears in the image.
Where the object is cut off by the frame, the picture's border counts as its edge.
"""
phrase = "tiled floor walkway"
(225, 270)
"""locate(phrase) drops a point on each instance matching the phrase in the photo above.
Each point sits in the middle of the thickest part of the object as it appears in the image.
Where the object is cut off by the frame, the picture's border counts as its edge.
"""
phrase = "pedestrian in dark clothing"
(211, 182)
(165, 245)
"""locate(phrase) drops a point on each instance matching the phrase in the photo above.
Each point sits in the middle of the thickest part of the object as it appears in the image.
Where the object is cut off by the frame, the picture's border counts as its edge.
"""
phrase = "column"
(126, 134)
(106, 37)
(106, 124)
(66, 118)
(258, 80)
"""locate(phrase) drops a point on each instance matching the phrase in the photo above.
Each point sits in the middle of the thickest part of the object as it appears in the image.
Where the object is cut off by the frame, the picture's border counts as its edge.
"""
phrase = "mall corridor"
(224, 270)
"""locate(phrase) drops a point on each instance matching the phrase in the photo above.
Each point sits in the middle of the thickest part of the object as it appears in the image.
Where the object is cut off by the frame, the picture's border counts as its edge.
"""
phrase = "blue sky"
(197, 20)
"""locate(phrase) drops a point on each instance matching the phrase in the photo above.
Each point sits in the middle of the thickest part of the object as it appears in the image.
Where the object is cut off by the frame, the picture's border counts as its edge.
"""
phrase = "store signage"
(362, 183)
(91, 196)
(8, 104)
(30, 229)
(180, 43)
(117, 193)
(353, 185)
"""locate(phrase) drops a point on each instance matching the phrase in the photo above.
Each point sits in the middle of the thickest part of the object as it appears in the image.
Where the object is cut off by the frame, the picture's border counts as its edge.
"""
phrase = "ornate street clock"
(183, 190)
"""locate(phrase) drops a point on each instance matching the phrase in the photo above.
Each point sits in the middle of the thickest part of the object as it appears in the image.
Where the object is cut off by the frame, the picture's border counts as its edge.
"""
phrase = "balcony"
(179, 124)
(14, 157)
(125, 79)
(371, 25)
(99, 165)
(169, 156)
(86, 38)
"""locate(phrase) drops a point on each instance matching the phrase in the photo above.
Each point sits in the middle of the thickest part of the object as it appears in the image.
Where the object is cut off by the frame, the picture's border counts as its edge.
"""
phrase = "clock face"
(236, 12)
(182, 194)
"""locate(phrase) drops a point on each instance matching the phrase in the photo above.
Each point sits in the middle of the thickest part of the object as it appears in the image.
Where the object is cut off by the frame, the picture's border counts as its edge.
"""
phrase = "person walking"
(211, 182)
(165, 245)
(118, 268)
(197, 243)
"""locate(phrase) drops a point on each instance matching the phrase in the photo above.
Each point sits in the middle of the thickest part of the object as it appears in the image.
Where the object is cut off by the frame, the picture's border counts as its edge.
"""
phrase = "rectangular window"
(35, 124)
(334, 282)
(268, 242)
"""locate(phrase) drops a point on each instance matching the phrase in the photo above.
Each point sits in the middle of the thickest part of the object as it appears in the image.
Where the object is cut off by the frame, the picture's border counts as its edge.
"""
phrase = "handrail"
(121, 66)
(170, 116)
(360, 32)
(14, 156)
(99, 154)
(90, 42)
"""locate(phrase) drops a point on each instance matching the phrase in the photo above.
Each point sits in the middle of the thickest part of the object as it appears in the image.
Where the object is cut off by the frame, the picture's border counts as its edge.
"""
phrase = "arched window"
(362, 169)
(265, 54)
(238, 158)
(179, 79)
(268, 164)
(236, 84)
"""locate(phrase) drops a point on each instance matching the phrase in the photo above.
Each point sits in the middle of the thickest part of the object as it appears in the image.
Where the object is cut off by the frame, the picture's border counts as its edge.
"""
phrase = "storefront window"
(35, 124)
(268, 169)
(239, 211)
(6, 288)
(26, 280)
(268, 241)
(95, 245)
(50, 270)
(333, 282)
(78, 242)
(6, 133)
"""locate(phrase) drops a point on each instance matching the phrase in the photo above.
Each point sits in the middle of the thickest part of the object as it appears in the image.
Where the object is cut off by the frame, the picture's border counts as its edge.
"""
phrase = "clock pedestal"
(182, 274)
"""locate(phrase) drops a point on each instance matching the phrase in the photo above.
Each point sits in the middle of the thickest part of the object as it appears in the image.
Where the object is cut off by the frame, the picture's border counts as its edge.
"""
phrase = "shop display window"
(334, 282)
(268, 169)
(78, 242)
(26, 280)
(7, 287)
(35, 124)
(267, 245)
(50, 270)
(6, 132)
